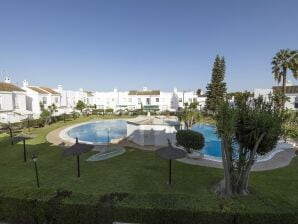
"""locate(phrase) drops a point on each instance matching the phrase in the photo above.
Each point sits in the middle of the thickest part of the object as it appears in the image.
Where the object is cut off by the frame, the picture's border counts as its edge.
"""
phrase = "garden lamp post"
(34, 159)
(108, 131)
(10, 134)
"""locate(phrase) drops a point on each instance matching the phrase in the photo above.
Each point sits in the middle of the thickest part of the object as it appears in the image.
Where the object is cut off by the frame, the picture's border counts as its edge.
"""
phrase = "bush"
(190, 140)
(109, 110)
(110, 208)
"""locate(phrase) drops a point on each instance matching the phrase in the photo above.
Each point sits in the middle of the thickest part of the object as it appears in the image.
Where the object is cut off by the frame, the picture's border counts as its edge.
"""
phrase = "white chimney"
(115, 90)
(175, 90)
(81, 89)
(7, 80)
(60, 88)
(145, 88)
(289, 83)
(25, 83)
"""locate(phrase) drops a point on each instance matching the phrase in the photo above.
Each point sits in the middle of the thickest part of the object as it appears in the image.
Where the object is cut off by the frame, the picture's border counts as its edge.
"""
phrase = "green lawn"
(140, 173)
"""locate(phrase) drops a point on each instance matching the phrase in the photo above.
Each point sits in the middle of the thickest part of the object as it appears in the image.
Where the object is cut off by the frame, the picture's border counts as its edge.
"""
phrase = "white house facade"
(36, 95)
(291, 94)
(12, 103)
(146, 99)
(26, 100)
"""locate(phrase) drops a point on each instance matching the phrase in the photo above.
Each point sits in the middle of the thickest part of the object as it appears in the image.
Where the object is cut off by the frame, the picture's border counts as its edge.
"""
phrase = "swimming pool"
(98, 132)
(212, 142)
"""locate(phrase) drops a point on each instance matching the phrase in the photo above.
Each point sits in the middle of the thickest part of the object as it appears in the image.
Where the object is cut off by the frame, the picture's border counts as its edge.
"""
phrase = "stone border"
(63, 134)
(280, 159)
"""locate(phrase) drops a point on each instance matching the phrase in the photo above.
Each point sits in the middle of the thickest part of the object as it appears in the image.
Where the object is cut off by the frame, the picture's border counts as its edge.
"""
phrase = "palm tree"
(282, 61)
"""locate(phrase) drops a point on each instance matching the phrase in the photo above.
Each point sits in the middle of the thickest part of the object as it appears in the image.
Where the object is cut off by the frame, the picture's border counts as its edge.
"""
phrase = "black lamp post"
(108, 130)
(10, 134)
(28, 123)
(78, 160)
(25, 154)
(34, 159)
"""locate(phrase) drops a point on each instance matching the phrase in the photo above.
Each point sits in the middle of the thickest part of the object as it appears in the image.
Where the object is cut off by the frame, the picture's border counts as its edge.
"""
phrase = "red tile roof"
(38, 90)
(289, 89)
(8, 87)
(147, 93)
(49, 90)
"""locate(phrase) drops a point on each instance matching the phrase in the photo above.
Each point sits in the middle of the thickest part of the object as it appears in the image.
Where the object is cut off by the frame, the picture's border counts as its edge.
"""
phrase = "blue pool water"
(97, 132)
(212, 142)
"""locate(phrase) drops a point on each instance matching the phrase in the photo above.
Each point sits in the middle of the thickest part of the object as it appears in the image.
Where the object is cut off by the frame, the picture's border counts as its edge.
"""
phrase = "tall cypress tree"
(217, 89)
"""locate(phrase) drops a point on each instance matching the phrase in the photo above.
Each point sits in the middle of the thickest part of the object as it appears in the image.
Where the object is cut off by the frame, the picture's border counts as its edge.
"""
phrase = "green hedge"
(190, 140)
(105, 211)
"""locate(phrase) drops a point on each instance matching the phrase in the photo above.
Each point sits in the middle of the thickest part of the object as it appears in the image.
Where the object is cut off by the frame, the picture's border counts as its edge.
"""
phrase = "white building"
(154, 130)
(12, 103)
(291, 93)
(263, 92)
(68, 97)
(37, 94)
(153, 100)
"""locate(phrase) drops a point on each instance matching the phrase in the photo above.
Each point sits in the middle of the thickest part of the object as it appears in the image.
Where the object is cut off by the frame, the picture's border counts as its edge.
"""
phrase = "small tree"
(45, 115)
(190, 140)
(52, 108)
(217, 89)
(248, 128)
(283, 61)
(289, 125)
(190, 114)
(80, 105)
(109, 110)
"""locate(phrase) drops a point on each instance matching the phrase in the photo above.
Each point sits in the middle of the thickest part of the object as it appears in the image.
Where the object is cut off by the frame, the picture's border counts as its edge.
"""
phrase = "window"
(16, 102)
(1, 103)
(56, 99)
(129, 100)
(296, 102)
(44, 100)
(139, 101)
(157, 100)
(147, 101)
(180, 100)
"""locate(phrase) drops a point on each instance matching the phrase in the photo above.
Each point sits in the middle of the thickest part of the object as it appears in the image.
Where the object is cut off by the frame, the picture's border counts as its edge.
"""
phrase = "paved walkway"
(279, 160)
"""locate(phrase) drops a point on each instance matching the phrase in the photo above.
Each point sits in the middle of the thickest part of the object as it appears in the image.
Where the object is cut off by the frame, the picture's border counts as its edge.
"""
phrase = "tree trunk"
(235, 180)
(242, 188)
(284, 82)
(227, 187)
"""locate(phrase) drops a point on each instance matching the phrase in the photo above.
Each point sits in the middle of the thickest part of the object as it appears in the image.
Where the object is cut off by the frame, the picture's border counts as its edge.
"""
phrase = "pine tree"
(216, 90)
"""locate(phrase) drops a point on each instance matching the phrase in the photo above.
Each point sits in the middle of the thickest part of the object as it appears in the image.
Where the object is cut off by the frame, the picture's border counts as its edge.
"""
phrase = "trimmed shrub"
(109, 110)
(190, 140)
(108, 209)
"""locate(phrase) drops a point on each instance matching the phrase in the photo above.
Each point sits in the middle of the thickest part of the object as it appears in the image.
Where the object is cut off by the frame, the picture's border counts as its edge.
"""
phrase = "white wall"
(19, 100)
(6, 101)
(291, 103)
(263, 92)
(157, 135)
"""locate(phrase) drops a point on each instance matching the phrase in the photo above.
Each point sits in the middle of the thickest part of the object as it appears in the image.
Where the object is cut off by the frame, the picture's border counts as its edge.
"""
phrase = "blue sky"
(161, 44)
